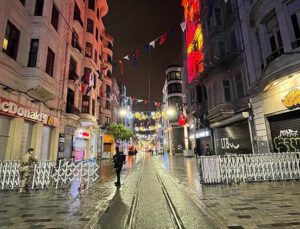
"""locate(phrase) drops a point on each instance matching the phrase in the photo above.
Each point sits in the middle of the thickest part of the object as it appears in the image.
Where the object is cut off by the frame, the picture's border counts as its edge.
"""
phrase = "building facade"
(251, 75)
(33, 44)
(52, 68)
(271, 31)
(175, 136)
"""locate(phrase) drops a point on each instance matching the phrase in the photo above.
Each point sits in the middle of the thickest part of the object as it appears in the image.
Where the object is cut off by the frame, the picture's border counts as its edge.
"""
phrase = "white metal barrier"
(46, 174)
(250, 167)
(9, 175)
(86, 172)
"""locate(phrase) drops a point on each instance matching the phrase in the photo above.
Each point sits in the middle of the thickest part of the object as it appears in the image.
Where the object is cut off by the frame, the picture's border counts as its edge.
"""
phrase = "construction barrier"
(249, 168)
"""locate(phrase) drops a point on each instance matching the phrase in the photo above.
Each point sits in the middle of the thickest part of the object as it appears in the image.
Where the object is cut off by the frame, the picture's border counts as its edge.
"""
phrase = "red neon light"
(194, 38)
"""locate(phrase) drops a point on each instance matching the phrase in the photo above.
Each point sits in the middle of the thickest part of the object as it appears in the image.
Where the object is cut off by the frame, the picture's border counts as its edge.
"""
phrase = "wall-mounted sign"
(82, 134)
(14, 109)
(292, 99)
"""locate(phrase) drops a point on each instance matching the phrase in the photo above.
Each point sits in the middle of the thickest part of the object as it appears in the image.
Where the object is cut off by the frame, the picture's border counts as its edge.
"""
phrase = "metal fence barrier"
(46, 174)
(249, 168)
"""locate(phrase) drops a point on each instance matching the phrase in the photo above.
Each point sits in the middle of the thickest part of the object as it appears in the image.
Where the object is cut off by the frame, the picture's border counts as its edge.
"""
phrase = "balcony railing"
(73, 76)
(71, 109)
(75, 44)
(78, 18)
(275, 54)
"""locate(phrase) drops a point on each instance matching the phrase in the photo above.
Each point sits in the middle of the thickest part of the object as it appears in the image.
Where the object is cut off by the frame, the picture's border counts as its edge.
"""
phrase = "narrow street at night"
(158, 191)
(149, 114)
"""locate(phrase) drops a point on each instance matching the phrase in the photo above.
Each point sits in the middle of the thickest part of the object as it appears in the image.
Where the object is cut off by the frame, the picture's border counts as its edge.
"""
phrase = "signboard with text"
(12, 108)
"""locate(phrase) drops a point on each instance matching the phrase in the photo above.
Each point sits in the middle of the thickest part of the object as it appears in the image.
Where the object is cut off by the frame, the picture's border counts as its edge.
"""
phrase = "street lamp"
(123, 112)
(171, 111)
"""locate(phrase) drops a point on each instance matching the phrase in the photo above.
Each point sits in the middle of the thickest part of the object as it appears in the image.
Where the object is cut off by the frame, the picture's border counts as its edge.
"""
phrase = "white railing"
(86, 172)
(9, 175)
(250, 168)
(46, 174)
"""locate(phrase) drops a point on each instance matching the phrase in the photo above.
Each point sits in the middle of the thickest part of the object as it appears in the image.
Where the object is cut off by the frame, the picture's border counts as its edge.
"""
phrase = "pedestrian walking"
(196, 151)
(135, 152)
(119, 159)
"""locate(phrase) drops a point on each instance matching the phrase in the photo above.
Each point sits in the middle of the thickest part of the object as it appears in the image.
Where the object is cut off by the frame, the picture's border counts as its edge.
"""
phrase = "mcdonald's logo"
(50, 121)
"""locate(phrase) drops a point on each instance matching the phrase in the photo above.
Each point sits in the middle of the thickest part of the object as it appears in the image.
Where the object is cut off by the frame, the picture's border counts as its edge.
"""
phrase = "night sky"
(133, 24)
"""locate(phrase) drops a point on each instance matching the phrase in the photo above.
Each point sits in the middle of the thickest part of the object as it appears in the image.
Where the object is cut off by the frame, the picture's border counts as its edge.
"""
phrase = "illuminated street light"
(171, 111)
(123, 112)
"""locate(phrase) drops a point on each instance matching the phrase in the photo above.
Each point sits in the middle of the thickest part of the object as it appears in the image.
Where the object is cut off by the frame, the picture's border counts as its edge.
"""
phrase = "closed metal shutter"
(285, 131)
(4, 134)
(233, 139)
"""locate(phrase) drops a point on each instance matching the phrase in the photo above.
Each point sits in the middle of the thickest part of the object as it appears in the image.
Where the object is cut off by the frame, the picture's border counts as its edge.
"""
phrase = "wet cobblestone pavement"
(141, 202)
(58, 208)
(245, 205)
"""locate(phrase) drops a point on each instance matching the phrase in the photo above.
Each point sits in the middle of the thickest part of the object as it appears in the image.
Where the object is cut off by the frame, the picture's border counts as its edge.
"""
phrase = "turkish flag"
(182, 120)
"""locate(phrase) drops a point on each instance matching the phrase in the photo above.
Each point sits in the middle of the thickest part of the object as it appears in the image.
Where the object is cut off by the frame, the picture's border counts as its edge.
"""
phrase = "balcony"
(87, 120)
(274, 55)
(73, 76)
(221, 111)
(75, 44)
(71, 109)
(78, 18)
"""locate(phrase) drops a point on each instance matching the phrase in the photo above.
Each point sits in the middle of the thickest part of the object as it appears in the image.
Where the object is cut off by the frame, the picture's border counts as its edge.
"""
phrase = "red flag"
(182, 120)
(163, 39)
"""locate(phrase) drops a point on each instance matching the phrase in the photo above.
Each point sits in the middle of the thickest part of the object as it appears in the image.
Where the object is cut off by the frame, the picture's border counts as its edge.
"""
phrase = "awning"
(236, 118)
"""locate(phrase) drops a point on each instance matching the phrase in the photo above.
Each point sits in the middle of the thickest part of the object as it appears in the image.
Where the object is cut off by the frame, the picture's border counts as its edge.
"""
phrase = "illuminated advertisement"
(194, 38)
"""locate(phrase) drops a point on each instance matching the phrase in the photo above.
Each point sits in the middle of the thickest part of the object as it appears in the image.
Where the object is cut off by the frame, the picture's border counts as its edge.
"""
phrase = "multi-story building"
(53, 56)
(225, 79)
(251, 74)
(175, 136)
(32, 35)
(271, 34)
(85, 76)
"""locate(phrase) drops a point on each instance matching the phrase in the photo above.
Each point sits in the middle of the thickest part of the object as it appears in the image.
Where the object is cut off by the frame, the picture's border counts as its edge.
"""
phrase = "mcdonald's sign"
(50, 121)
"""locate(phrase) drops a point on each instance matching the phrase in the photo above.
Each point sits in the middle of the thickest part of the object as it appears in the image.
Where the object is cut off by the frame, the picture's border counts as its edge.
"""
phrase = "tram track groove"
(197, 204)
(177, 220)
(130, 221)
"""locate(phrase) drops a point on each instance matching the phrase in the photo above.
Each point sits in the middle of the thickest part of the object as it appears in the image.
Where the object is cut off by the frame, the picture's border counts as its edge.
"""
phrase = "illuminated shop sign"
(15, 109)
(194, 38)
(292, 99)
(82, 133)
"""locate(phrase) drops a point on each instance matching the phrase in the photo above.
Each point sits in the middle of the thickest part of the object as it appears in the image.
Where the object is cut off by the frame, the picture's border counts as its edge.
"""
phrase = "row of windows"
(174, 88)
(227, 90)
(11, 44)
(174, 75)
(85, 105)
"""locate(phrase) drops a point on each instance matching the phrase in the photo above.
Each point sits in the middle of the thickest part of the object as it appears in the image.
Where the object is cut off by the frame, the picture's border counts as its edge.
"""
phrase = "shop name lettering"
(287, 141)
(226, 144)
(14, 109)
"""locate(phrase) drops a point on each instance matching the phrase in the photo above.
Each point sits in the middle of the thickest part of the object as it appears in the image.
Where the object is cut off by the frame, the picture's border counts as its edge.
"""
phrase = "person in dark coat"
(119, 159)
